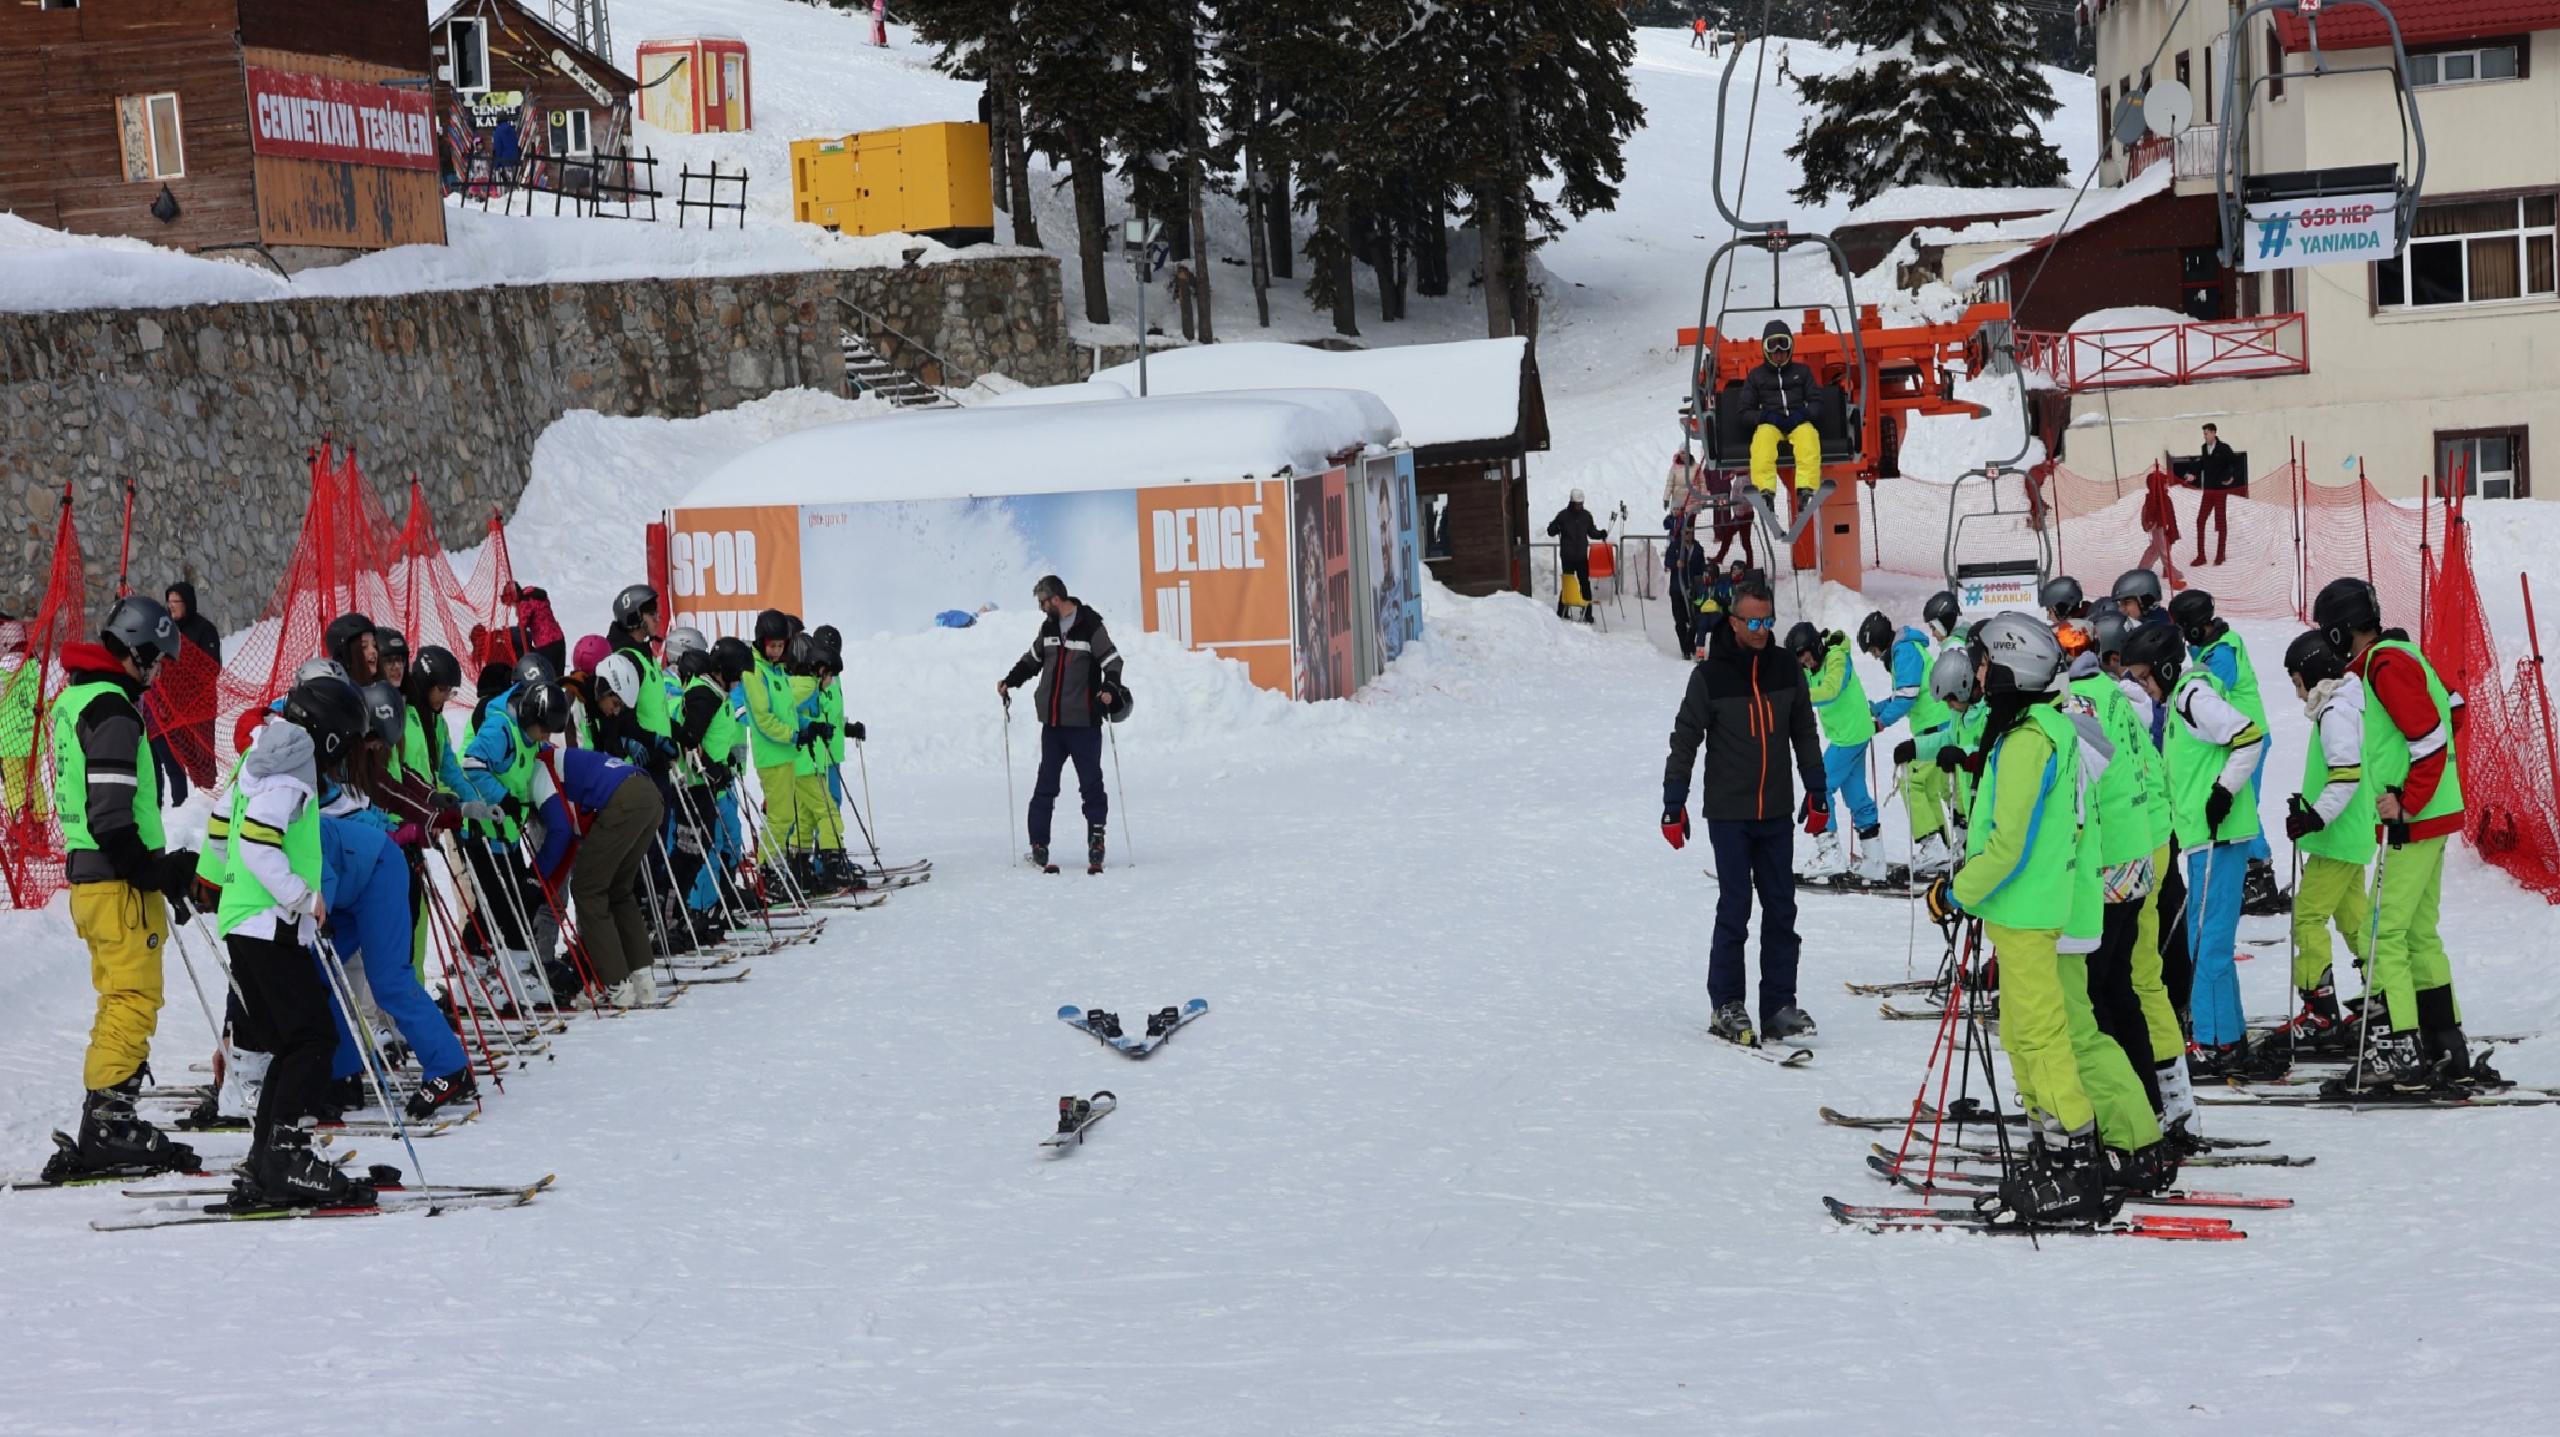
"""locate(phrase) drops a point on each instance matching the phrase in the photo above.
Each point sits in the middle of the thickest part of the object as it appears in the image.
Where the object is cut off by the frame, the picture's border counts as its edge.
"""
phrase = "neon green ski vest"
(2125, 820)
(720, 737)
(2386, 749)
(2194, 765)
(804, 687)
(1839, 700)
(2037, 895)
(243, 896)
(71, 773)
(2348, 838)
(769, 701)
(831, 717)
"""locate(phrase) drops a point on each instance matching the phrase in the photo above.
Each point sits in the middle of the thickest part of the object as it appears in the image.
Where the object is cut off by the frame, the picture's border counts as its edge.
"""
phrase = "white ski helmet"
(2025, 656)
(1577, 496)
(621, 678)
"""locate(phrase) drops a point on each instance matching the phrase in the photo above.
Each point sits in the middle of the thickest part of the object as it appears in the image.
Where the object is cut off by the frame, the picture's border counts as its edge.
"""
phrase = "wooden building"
(510, 86)
(1474, 490)
(296, 126)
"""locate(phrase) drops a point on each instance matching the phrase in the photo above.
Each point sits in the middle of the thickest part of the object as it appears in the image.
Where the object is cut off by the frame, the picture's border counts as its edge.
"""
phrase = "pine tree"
(1942, 92)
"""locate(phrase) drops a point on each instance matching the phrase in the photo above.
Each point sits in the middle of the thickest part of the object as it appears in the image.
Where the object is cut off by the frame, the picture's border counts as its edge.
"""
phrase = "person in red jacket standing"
(537, 628)
(2160, 522)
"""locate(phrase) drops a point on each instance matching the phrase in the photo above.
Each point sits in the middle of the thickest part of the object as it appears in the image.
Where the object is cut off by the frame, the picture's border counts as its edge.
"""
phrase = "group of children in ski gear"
(2105, 770)
(609, 791)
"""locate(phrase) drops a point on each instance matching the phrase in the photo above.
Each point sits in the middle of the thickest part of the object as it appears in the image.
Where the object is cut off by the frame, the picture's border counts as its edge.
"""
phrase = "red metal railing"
(2161, 354)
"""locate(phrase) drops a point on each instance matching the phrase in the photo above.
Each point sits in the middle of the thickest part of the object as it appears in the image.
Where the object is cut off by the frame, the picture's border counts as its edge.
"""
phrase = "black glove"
(717, 775)
(1904, 752)
(855, 731)
(2396, 832)
(2301, 819)
(174, 875)
(1951, 758)
(2217, 807)
(808, 734)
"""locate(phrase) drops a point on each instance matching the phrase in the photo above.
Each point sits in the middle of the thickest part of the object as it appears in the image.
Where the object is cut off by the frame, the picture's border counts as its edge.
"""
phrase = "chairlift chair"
(2236, 187)
(1968, 575)
(1715, 383)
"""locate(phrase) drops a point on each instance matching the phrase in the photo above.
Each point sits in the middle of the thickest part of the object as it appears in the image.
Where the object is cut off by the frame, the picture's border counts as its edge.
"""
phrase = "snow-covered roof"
(1905, 203)
(1441, 393)
(2035, 231)
(1008, 448)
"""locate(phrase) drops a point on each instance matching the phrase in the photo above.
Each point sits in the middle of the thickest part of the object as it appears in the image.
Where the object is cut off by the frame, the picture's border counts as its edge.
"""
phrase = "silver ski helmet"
(2022, 654)
(1951, 677)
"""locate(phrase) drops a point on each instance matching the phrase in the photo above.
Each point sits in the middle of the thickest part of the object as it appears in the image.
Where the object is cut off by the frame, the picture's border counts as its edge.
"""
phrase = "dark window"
(2490, 463)
(2474, 252)
(2275, 64)
(2106, 120)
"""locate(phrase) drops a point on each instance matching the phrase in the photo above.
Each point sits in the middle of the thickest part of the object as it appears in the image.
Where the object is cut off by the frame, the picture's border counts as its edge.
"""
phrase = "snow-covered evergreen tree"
(1942, 92)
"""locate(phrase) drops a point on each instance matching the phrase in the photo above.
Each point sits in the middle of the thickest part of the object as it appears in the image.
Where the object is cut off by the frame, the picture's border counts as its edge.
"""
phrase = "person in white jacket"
(270, 913)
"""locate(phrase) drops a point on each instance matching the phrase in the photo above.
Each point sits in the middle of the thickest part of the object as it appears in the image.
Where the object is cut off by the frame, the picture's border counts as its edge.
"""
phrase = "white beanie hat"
(1577, 496)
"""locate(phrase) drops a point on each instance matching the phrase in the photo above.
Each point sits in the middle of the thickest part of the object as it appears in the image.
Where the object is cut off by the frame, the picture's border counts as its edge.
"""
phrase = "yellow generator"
(926, 180)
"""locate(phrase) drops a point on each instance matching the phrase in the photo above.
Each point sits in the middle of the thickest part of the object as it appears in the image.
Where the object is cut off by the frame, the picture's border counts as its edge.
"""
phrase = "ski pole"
(2292, 957)
(1013, 852)
(187, 958)
(366, 1056)
(2372, 970)
(861, 823)
(1122, 784)
(870, 816)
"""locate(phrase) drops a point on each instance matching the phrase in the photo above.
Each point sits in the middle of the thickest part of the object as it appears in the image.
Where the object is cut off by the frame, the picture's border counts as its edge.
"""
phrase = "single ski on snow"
(1884, 990)
(1953, 1183)
(1955, 1152)
(1783, 1057)
(1971, 1118)
(1076, 1116)
(1101, 1026)
(430, 1203)
(1942, 1219)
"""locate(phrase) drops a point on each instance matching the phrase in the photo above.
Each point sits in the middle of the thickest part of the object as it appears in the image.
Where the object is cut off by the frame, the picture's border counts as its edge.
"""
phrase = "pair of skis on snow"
(1105, 1027)
(182, 1207)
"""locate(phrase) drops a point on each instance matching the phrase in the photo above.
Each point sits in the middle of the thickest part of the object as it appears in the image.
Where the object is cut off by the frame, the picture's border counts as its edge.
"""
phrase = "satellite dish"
(2167, 107)
(2129, 126)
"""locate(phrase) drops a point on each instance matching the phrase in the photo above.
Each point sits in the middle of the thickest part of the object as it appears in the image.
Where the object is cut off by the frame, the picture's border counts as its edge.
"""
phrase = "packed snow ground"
(1450, 1153)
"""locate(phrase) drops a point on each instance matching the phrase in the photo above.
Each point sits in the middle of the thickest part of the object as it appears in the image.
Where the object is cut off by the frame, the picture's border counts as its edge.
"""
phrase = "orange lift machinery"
(1876, 381)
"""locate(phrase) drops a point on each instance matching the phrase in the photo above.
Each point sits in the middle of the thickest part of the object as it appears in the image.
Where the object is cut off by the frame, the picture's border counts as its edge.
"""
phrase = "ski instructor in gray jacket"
(1747, 707)
(1079, 671)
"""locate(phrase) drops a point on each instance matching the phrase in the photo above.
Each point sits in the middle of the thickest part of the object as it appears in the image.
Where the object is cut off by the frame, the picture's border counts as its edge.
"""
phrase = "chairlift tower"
(584, 21)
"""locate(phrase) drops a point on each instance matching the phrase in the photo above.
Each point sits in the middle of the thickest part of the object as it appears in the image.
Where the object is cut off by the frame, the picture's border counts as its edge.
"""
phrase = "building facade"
(2441, 360)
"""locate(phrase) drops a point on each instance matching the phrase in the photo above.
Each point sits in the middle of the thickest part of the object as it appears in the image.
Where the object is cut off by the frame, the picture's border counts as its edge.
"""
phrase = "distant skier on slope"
(1574, 530)
(1079, 671)
(1747, 709)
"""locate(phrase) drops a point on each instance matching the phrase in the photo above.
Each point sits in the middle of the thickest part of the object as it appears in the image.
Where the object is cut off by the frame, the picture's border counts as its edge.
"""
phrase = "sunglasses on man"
(1757, 626)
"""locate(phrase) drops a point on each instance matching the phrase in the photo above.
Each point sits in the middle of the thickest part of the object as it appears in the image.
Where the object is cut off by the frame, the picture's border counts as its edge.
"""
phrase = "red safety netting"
(2290, 535)
(30, 681)
(348, 556)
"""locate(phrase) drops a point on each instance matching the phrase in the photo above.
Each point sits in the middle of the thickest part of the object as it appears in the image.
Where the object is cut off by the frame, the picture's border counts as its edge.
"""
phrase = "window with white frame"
(2488, 463)
(150, 136)
(2502, 60)
(466, 50)
(2473, 252)
(570, 133)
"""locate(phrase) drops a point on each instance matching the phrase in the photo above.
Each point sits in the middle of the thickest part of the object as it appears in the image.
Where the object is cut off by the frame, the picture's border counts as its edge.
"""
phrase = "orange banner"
(728, 564)
(1213, 564)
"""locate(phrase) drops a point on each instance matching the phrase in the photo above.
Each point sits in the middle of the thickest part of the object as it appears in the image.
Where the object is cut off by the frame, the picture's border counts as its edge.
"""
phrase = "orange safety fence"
(348, 556)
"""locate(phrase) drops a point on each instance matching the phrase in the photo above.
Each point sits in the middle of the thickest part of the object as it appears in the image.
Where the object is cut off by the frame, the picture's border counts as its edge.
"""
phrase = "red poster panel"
(309, 117)
(1320, 575)
(1213, 561)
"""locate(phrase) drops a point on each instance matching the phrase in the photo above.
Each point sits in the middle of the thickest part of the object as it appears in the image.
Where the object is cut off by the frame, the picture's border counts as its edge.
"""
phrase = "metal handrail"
(873, 326)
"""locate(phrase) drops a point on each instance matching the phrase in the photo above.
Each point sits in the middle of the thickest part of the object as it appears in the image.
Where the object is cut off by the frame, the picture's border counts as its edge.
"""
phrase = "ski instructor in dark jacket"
(1748, 709)
(1079, 671)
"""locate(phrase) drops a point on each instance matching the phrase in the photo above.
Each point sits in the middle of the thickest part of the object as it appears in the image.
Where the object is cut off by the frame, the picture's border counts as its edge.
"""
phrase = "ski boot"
(2062, 1182)
(1093, 836)
(2147, 1170)
(2266, 1059)
(454, 1087)
(1931, 858)
(1869, 866)
(846, 871)
(2259, 895)
(640, 990)
(2441, 1043)
(1827, 861)
(346, 1095)
(283, 1172)
(1732, 1022)
(2390, 1063)
(113, 1140)
(1787, 1024)
(1040, 858)
(2217, 1062)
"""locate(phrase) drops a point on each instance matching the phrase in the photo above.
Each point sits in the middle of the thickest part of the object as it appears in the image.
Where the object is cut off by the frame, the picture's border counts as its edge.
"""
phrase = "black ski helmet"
(2111, 627)
(1942, 612)
(2345, 608)
(536, 667)
(800, 654)
(772, 624)
(1804, 639)
(332, 712)
(827, 637)
(1875, 634)
(693, 664)
(2061, 595)
(388, 712)
(2192, 612)
(1121, 702)
(2310, 658)
(1776, 335)
(543, 705)
(634, 601)
(389, 644)
(731, 658)
(344, 631)
(2140, 585)
(2159, 649)
(139, 627)
(432, 667)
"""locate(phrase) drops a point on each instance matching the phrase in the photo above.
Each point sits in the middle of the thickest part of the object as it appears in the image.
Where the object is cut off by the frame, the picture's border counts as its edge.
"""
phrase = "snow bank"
(1007, 448)
(1939, 447)
(1441, 393)
(1933, 202)
(2131, 316)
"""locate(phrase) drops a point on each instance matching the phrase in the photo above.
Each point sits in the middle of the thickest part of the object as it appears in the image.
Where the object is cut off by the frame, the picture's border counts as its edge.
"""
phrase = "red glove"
(1675, 827)
(408, 835)
(1817, 818)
